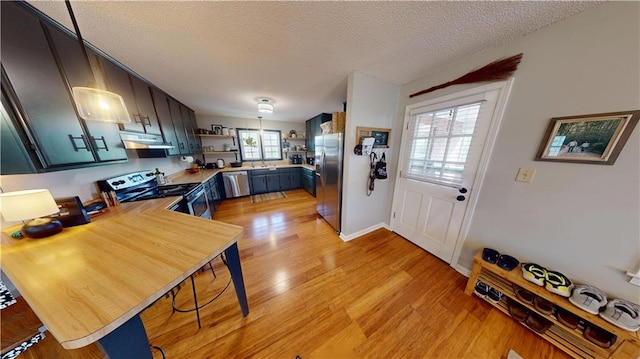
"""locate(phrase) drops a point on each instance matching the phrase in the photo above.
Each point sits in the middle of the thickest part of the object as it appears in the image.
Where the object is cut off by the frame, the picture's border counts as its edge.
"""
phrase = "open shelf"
(215, 136)
(219, 152)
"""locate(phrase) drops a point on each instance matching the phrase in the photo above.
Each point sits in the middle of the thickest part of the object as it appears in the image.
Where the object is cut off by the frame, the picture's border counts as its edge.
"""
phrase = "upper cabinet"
(41, 62)
(313, 129)
(169, 129)
(36, 83)
(104, 137)
(137, 98)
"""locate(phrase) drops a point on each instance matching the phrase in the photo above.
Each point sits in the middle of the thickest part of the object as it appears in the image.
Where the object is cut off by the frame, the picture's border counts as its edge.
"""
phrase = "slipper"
(558, 283)
(534, 273)
(588, 298)
(494, 295)
(481, 289)
(599, 336)
(543, 306)
(623, 314)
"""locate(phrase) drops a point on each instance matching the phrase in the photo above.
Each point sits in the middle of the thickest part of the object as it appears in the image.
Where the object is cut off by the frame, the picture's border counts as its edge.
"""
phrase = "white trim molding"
(347, 238)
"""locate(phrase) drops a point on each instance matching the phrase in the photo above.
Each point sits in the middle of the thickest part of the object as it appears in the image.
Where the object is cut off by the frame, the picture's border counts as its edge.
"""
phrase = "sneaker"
(481, 289)
(494, 295)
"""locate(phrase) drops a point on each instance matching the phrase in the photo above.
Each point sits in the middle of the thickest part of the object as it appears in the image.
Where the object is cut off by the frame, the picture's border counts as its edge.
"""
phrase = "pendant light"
(95, 104)
(265, 106)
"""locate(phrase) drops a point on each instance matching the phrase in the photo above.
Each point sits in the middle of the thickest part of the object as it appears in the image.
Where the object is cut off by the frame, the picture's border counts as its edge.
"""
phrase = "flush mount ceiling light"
(95, 104)
(265, 106)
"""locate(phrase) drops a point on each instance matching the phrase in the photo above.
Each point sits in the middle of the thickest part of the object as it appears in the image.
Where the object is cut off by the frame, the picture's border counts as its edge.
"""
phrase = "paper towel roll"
(188, 159)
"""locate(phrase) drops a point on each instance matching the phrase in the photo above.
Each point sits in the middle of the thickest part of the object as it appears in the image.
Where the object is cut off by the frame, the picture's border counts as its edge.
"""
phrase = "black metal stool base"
(197, 306)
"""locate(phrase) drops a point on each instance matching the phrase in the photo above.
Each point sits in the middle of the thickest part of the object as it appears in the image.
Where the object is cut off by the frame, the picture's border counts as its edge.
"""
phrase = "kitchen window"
(260, 145)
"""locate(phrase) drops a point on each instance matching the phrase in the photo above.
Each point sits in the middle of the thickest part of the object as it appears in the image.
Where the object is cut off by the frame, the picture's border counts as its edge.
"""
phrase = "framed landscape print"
(596, 138)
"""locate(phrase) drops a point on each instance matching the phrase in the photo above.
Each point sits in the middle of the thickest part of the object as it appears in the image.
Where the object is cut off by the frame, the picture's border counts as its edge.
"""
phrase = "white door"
(444, 143)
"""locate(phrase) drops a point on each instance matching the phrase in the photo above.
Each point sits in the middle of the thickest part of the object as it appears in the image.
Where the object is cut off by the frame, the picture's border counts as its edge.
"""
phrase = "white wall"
(371, 102)
(580, 219)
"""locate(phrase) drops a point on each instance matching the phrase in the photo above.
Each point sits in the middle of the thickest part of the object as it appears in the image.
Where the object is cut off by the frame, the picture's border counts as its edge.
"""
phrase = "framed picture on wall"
(382, 136)
(596, 138)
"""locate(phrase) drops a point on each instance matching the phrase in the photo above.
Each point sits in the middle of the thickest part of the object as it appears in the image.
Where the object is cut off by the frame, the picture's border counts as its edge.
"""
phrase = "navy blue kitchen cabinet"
(309, 181)
(37, 84)
(136, 95)
(191, 127)
(19, 162)
(41, 62)
(103, 136)
(312, 126)
(169, 128)
(296, 178)
(282, 179)
(284, 176)
(215, 191)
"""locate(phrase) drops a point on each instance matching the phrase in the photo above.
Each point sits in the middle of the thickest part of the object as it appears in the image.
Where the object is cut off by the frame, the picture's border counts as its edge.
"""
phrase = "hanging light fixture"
(265, 106)
(95, 104)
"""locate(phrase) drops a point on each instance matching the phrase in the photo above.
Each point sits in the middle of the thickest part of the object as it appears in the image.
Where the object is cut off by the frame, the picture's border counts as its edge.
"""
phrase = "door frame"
(504, 88)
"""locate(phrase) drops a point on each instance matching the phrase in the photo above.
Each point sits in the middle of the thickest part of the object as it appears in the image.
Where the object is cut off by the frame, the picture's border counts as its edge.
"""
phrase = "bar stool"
(196, 308)
(20, 328)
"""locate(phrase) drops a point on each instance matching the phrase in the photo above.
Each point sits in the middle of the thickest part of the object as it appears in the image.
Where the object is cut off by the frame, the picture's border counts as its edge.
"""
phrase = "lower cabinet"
(309, 181)
(215, 191)
(282, 179)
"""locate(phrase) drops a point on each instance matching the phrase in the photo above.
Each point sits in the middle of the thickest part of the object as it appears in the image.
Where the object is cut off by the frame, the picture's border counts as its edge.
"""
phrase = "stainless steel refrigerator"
(329, 158)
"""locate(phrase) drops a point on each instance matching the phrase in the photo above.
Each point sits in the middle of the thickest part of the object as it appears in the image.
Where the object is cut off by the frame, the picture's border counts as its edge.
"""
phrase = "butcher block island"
(89, 283)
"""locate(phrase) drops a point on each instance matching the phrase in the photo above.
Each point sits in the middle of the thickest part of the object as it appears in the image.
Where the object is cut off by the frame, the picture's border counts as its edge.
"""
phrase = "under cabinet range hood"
(143, 141)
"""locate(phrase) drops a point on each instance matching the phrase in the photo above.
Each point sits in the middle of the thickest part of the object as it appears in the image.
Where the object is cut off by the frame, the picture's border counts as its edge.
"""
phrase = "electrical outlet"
(525, 174)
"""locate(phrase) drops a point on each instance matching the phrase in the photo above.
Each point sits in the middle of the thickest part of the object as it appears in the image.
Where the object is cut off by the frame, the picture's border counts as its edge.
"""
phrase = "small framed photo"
(596, 138)
(380, 135)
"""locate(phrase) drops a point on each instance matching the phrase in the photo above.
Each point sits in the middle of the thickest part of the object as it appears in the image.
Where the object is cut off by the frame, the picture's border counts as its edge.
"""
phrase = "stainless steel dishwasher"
(236, 184)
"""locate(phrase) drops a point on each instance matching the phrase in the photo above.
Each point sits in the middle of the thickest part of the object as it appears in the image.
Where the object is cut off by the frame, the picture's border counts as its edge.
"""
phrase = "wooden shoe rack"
(571, 341)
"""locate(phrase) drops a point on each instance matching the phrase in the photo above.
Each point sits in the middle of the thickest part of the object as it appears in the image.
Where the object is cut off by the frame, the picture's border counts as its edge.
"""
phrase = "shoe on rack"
(534, 273)
(623, 314)
(558, 283)
(481, 289)
(517, 310)
(588, 298)
(494, 295)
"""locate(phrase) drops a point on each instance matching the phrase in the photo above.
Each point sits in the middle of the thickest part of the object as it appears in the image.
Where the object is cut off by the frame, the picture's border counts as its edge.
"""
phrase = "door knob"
(462, 190)
(461, 198)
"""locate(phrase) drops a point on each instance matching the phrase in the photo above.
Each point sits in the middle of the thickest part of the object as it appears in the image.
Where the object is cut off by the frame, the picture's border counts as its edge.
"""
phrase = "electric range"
(142, 185)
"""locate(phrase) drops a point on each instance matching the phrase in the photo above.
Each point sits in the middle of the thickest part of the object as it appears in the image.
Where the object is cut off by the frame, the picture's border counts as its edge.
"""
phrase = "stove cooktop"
(165, 191)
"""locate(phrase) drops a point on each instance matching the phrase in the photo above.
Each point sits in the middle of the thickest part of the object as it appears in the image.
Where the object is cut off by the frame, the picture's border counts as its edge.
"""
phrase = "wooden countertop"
(87, 280)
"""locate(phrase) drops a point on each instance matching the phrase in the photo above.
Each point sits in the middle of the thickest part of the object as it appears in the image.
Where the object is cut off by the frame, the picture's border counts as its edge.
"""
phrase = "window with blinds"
(256, 145)
(440, 143)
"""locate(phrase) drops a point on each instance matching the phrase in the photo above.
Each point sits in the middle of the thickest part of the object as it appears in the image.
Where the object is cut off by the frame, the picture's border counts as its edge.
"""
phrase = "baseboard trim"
(347, 238)
(462, 270)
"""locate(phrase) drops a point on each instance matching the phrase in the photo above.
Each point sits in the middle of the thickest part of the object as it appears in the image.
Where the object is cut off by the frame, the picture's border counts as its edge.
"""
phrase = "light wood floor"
(310, 294)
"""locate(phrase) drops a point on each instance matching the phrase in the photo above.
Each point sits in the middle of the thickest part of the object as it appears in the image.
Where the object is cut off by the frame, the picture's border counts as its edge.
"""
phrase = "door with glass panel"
(443, 143)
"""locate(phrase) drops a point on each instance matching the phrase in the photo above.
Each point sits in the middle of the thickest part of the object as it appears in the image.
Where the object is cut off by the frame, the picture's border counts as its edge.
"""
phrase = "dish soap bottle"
(159, 176)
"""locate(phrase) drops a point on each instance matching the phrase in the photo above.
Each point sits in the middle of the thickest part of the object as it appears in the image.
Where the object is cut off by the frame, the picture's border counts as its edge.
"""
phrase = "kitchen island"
(91, 282)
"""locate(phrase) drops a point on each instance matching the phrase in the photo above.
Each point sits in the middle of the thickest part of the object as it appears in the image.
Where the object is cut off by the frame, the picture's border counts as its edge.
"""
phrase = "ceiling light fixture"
(94, 104)
(265, 106)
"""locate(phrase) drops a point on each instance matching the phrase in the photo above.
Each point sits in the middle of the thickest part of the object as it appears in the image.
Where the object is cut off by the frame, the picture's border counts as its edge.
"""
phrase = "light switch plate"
(525, 174)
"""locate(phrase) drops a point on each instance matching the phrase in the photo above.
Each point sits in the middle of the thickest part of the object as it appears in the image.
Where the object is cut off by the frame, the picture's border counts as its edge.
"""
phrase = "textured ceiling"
(220, 57)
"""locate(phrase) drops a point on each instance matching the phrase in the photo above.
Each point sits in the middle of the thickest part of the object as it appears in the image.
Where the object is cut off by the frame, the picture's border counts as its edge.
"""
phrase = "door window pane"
(440, 143)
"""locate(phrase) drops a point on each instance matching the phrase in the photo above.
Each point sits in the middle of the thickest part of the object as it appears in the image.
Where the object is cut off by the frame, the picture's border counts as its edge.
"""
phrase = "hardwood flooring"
(313, 295)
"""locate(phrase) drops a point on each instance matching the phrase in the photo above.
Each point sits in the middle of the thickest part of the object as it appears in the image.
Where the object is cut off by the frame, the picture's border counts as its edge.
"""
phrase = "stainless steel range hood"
(143, 141)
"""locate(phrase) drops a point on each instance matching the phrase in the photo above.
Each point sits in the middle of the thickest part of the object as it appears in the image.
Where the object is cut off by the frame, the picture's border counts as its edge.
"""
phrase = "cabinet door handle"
(75, 146)
(104, 142)
(182, 145)
(145, 121)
